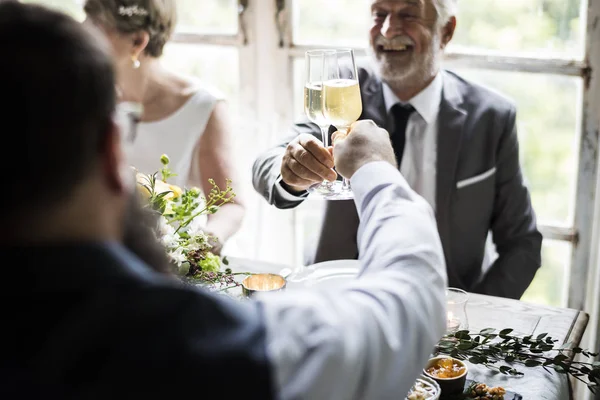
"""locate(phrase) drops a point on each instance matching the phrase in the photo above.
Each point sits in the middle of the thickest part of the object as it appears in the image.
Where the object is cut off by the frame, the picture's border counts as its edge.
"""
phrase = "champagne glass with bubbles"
(313, 107)
(342, 105)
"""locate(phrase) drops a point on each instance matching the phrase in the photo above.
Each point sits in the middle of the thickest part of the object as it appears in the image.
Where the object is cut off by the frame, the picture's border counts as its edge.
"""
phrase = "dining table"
(563, 324)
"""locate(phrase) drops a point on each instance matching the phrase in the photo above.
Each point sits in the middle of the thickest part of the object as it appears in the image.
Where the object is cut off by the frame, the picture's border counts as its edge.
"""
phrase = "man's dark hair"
(59, 86)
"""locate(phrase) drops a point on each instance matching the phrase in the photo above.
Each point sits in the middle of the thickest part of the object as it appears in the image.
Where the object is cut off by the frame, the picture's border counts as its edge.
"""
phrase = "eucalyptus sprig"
(490, 348)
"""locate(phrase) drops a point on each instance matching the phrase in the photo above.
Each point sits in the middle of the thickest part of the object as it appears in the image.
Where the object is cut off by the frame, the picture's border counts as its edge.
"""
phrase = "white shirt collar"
(426, 102)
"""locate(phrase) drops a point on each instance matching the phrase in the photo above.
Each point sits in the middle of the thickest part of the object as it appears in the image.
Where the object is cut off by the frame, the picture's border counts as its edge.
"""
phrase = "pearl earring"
(135, 61)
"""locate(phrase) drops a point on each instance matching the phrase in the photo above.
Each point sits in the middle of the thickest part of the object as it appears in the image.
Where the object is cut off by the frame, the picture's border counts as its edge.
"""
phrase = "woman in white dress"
(182, 118)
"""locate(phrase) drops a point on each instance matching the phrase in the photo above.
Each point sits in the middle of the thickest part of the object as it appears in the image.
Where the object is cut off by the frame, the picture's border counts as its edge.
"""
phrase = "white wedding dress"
(177, 136)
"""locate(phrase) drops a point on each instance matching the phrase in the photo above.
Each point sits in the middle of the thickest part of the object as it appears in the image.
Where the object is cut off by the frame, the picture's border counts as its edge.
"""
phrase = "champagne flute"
(313, 105)
(342, 104)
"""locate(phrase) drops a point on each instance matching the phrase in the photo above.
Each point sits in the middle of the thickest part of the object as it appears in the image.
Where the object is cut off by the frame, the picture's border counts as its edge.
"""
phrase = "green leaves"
(487, 331)
(464, 335)
(532, 363)
(477, 360)
(505, 332)
(510, 358)
(560, 358)
(499, 351)
(466, 345)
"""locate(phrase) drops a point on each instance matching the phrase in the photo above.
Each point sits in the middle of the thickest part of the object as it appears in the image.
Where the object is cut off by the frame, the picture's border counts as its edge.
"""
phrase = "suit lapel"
(372, 99)
(451, 121)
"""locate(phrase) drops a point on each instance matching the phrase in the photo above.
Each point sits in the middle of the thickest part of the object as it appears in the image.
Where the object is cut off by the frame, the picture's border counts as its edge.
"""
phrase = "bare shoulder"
(183, 86)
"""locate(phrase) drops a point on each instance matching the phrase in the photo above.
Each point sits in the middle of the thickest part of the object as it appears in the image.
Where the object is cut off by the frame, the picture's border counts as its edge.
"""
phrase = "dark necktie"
(401, 114)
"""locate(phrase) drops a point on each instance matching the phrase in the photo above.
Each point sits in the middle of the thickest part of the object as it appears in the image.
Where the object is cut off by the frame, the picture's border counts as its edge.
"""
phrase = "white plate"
(328, 273)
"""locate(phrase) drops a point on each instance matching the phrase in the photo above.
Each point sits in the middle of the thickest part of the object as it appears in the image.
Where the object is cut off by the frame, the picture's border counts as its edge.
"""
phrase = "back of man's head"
(58, 83)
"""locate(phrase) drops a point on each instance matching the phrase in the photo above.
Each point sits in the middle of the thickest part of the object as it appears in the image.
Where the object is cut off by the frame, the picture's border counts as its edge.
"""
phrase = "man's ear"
(448, 32)
(116, 171)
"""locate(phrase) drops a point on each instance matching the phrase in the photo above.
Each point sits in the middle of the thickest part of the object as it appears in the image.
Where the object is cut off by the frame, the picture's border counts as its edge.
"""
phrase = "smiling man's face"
(405, 40)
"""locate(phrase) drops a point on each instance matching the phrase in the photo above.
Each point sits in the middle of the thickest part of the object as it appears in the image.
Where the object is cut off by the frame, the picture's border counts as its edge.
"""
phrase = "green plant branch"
(488, 348)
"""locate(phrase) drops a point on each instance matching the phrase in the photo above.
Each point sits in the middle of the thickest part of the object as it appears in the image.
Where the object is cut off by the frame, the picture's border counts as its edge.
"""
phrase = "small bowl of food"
(257, 283)
(449, 373)
(424, 388)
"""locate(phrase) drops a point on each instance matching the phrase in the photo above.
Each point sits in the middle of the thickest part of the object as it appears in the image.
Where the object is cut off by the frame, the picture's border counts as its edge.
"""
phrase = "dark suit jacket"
(480, 188)
(90, 321)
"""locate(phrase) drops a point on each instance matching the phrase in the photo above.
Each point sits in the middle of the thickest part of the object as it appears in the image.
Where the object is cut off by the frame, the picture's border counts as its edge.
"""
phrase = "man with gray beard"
(456, 144)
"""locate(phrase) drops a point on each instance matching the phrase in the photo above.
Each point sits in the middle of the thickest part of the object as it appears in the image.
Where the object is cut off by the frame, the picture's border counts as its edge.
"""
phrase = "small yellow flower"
(159, 187)
(177, 191)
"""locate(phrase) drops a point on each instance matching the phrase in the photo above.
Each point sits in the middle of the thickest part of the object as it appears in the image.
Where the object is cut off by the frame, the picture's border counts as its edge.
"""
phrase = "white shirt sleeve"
(370, 338)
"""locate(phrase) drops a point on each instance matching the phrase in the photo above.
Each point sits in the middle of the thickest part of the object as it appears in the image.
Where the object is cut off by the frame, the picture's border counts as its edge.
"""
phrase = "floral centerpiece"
(180, 227)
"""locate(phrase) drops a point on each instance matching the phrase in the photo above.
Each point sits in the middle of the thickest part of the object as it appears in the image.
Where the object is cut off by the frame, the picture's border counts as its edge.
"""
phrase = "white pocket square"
(475, 179)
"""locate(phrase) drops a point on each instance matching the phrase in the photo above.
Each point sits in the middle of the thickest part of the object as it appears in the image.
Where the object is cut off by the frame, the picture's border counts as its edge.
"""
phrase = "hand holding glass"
(337, 93)
(313, 106)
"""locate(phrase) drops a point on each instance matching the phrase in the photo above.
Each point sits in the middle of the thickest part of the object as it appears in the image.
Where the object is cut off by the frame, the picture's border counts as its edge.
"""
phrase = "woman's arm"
(217, 161)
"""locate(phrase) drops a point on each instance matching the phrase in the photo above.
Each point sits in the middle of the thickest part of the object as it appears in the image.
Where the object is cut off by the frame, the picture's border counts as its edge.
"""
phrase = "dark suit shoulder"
(476, 96)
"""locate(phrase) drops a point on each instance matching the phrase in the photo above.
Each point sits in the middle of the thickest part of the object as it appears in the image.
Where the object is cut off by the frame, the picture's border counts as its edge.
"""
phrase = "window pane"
(548, 286)
(213, 65)
(548, 115)
(218, 67)
(72, 7)
(331, 22)
(538, 27)
(207, 16)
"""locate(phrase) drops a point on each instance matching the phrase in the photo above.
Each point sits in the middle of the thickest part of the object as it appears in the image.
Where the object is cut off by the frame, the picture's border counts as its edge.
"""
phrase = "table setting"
(468, 315)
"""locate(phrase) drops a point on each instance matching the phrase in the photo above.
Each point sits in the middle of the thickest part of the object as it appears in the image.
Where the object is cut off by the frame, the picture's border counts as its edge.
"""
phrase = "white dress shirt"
(420, 151)
(370, 338)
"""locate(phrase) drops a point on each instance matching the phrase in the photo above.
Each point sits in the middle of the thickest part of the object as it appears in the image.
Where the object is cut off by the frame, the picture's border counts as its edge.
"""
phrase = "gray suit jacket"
(480, 188)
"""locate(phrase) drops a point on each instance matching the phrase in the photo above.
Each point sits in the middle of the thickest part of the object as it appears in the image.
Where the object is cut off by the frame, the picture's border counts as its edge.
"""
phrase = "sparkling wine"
(313, 103)
(341, 102)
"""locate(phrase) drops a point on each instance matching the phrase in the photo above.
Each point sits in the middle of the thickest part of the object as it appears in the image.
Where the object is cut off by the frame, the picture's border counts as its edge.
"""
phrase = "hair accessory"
(132, 10)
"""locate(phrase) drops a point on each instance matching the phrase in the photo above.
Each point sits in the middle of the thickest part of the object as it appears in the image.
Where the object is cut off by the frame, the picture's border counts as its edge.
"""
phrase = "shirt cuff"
(374, 174)
(285, 195)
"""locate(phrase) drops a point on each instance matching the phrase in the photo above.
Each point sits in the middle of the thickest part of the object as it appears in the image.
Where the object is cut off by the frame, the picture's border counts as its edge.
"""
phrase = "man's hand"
(306, 162)
(364, 143)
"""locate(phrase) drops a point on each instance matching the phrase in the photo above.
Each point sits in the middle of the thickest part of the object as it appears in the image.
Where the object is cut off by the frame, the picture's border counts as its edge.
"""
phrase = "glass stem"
(345, 182)
(325, 135)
